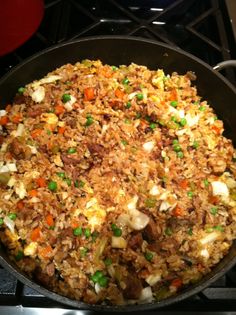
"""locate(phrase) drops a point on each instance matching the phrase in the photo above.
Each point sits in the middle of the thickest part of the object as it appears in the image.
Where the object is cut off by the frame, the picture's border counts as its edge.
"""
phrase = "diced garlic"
(209, 238)
(118, 242)
(148, 146)
(69, 105)
(153, 278)
(38, 95)
(219, 188)
(154, 191)
(204, 253)
(31, 249)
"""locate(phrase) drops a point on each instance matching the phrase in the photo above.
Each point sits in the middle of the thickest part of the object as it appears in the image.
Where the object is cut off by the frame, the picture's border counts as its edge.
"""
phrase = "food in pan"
(117, 185)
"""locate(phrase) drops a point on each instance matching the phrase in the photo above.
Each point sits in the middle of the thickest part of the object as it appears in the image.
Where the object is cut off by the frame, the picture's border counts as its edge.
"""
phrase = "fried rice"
(116, 183)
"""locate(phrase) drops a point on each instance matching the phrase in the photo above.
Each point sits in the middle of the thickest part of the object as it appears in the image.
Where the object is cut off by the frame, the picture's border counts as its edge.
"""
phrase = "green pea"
(89, 121)
(174, 103)
(202, 108)
(175, 141)
(177, 147)
(103, 281)
(1, 221)
(195, 144)
(96, 276)
(71, 150)
(87, 232)
(114, 68)
(168, 231)
(218, 228)
(180, 154)
(214, 210)
(124, 142)
(149, 256)
(108, 261)
(78, 231)
(152, 126)
(128, 105)
(183, 122)
(125, 81)
(190, 231)
(61, 174)
(190, 194)
(21, 90)
(139, 96)
(206, 183)
(66, 98)
(117, 232)
(52, 185)
(12, 216)
(19, 255)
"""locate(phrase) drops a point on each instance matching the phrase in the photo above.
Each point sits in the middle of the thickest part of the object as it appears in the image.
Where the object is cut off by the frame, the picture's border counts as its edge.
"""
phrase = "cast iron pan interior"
(116, 50)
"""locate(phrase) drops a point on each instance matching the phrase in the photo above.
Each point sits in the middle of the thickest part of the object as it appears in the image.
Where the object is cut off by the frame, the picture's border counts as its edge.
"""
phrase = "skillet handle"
(225, 64)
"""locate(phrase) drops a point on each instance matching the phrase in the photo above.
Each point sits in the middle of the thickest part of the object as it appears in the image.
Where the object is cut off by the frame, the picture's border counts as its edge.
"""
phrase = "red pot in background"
(19, 19)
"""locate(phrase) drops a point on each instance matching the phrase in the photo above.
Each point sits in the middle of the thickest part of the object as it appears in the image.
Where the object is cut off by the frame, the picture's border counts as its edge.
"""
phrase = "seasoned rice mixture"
(116, 184)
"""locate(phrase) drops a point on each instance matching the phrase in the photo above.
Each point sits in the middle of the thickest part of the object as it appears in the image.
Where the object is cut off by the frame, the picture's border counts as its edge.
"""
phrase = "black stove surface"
(204, 28)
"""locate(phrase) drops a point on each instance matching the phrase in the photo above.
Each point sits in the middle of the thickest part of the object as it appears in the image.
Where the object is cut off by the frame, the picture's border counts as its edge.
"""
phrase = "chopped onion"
(209, 238)
(38, 95)
(154, 191)
(19, 130)
(148, 146)
(146, 295)
(118, 242)
(204, 253)
(9, 223)
(219, 188)
(11, 167)
(68, 105)
(132, 204)
(97, 288)
(11, 182)
(153, 278)
(138, 220)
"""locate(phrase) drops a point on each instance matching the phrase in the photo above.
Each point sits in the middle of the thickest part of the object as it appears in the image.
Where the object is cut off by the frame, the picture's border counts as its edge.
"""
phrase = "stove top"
(207, 29)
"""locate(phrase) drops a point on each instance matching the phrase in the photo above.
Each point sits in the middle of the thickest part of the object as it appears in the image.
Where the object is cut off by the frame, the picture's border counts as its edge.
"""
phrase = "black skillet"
(113, 50)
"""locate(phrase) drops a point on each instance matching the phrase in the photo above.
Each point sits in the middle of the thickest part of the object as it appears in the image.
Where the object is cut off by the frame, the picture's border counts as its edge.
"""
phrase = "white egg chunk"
(219, 189)
(20, 190)
(31, 249)
(149, 146)
(154, 191)
(20, 130)
(138, 220)
(192, 120)
(38, 94)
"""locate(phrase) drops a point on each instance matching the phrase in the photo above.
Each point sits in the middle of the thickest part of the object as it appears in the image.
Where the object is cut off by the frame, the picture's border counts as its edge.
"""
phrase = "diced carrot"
(61, 130)
(4, 120)
(33, 193)
(106, 72)
(74, 224)
(41, 182)
(143, 124)
(20, 205)
(177, 283)
(214, 200)
(49, 220)
(59, 109)
(89, 94)
(173, 95)
(8, 108)
(178, 212)
(183, 184)
(119, 93)
(35, 234)
(16, 118)
(36, 133)
(45, 251)
(216, 129)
